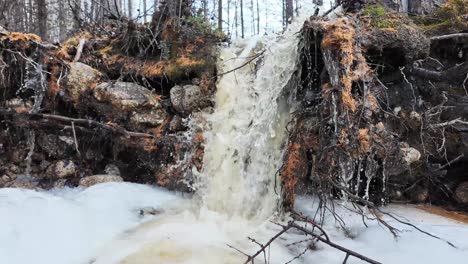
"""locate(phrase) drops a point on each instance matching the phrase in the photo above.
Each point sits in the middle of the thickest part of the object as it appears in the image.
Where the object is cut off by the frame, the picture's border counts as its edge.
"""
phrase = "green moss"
(379, 16)
(447, 19)
(374, 11)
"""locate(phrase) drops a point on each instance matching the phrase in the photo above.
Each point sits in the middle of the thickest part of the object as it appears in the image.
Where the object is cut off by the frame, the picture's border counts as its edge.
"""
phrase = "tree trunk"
(289, 11)
(130, 7)
(42, 18)
(145, 13)
(220, 15)
(242, 17)
(62, 23)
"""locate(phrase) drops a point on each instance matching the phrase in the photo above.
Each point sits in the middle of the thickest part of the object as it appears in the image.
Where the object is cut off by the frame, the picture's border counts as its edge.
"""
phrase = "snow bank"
(70, 225)
(378, 243)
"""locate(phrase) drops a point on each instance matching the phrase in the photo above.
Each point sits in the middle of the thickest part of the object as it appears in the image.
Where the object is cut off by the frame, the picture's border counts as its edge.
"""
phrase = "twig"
(74, 138)
(244, 64)
(250, 258)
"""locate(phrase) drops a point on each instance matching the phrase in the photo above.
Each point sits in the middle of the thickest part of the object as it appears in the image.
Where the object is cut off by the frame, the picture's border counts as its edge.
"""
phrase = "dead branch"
(87, 123)
(331, 244)
(449, 123)
(450, 36)
(241, 66)
(325, 240)
(454, 75)
(251, 258)
(79, 50)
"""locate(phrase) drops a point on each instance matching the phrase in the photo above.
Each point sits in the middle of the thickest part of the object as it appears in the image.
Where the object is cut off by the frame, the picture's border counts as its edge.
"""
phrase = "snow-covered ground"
(75, 225)
(68, 226)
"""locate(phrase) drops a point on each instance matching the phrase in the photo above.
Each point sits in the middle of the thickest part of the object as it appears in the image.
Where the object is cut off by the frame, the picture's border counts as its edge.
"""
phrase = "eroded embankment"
(110, 105)
(382, 113)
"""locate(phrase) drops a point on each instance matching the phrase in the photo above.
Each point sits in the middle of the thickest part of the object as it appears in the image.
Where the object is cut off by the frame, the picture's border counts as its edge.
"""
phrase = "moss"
(374, 11)
(450, 18)
(379, 16)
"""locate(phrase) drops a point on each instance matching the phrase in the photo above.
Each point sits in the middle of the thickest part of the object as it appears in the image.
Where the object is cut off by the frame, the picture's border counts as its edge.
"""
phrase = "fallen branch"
(241, 66)
(79, 50)
(450, 36)
(455, 75)
(449, 123)
(331, 244)
(87, 123)
(325, 240)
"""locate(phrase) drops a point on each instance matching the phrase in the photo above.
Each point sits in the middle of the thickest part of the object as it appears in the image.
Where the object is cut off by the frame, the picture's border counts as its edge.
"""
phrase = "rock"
(151, 118)
(419, 194)
(23, 182)
(4, 180)
(55, 146)
(461, 193)
(149, 211)
(59, 184)
(112, 169)
(176, 124)
(410, 155)
(424, 7)
(188, 99)
(18, 155)
(126, 96)
(3, 31)
(61, 169)
(80, 79)
(18, 105)
(97, 179)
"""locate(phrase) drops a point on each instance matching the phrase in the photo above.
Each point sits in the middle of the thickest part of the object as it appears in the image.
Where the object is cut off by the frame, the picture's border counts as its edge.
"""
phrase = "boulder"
(55, 146)
(126, 96)
(152, 118)
(80, 79)
(61, 169)
(112, 169)
(461, 193)
(122, 100)
(410, 155)
(189, 98)
(97, 179)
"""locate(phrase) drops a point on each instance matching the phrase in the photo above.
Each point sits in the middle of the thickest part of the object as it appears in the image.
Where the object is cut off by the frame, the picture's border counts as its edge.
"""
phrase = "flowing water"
(237, 191)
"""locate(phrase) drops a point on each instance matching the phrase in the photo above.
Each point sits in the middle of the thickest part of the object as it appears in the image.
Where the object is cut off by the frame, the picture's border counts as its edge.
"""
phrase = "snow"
(378, 243)
(68, 226)
(77, 225)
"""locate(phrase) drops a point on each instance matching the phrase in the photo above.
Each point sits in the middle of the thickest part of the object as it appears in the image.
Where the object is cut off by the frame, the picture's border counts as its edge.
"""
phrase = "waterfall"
(243, 146)
(237, 191)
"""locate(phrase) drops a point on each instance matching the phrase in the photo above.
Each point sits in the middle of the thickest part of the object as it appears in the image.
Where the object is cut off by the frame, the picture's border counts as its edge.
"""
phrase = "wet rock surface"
(97, 179)
(189, 98)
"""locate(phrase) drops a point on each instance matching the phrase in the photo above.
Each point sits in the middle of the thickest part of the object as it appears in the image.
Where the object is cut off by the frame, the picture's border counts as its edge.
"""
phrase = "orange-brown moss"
(339, 41)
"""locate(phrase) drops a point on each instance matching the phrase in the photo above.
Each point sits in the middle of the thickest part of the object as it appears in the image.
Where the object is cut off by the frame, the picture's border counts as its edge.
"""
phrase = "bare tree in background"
(242, 17)
(130, 6)
(42, 18)
(220, 15)
(145, 12)
(289, 12)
